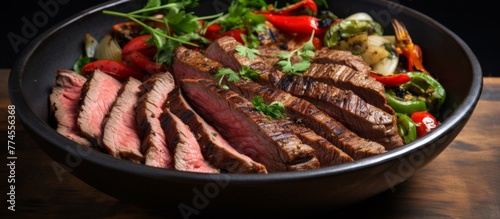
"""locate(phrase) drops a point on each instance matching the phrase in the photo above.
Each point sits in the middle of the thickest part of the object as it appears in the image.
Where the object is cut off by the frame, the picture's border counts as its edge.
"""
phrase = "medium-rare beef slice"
(191, 64)
(248, 130)
(214, 147)
(150, 105)
(120, 136)
(363, 118)
(64, 100)
(182, 142)
(98, 96)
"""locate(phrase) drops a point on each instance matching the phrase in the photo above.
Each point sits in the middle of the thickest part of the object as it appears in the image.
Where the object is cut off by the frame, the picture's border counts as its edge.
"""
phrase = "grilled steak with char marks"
(248, 130)
(348, 105)
(183, 143)
(64, 100)
(214, 147)
(191, 64)
(150, 105)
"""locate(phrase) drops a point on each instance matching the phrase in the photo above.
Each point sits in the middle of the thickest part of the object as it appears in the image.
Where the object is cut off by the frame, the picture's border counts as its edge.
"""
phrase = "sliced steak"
(346, 58)
(327, 153)
(248, 130)
(150, 105)
(307, 114)
(64, 100)
(120, 136)
(348, 71)
(348, 108)
(98, 95)
(187, 152)
(344, 105)
(186, 65)
(214, 148)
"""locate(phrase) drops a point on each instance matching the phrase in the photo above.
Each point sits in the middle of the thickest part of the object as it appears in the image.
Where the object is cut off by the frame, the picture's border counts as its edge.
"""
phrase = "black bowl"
(445, 55)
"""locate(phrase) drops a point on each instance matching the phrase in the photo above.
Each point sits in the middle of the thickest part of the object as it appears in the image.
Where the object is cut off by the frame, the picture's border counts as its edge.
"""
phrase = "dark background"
(474, 22)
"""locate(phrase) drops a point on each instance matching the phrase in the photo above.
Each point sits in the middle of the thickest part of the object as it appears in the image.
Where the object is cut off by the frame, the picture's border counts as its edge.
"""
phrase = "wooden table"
(463, 182)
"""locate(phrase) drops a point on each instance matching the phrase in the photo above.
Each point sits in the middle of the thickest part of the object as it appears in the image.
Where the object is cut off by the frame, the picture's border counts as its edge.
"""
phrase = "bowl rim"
(45, 131)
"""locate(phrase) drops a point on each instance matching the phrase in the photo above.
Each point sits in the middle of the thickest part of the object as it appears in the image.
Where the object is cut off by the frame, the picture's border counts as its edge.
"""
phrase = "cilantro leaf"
(305, 52)
(226, 72)
(248, 73)
(275, 110)
(247, 52)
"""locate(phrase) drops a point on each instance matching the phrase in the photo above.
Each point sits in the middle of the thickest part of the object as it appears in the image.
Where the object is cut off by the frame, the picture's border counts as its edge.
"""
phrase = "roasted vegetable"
(406, 127)
(428, 88)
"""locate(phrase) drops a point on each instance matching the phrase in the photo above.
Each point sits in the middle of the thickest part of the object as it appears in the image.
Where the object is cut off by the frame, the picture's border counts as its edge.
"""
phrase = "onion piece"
(90, 45)
(108, 48)
(386, 66)
(359, 16)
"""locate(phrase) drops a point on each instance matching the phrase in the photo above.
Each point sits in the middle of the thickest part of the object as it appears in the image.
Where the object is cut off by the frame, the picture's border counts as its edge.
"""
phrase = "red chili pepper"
(117, 69)
(302, 24)
(143, 62)
(291, 9)
(214, 32)
(141, 45)
(391, 80)
(424, 121)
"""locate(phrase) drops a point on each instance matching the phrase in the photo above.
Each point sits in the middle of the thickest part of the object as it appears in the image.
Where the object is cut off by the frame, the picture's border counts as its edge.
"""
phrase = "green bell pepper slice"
(346, 28)
(428, 88)
(404, 106)
(406, 128)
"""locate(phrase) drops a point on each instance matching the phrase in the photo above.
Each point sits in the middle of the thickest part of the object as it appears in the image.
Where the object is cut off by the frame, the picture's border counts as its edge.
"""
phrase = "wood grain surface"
(462, 182)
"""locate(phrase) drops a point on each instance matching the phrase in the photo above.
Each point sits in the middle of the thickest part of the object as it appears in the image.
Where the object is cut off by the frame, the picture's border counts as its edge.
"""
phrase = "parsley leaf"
(248, 73)
(226, 72)
(305, 52)
(275, 110)
(247, 52)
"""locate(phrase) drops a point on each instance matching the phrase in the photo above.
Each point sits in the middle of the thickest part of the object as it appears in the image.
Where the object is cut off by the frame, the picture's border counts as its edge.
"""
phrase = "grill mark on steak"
(247, 129)
(327, 153)
(297, 108)
(120, 136)
(346, 58)
(348, 108)
(187, 152)
(365, 119)
(345, 77)
(64, 100)
(98, 96)
(214, 148)
(154, 94)
(316, 120)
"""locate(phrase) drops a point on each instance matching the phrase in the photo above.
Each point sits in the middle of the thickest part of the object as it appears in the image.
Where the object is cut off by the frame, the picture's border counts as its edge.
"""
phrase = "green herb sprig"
(245, 72)
(180, 26)
(305, 52)
(275, 110)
